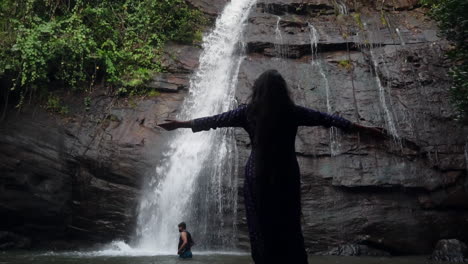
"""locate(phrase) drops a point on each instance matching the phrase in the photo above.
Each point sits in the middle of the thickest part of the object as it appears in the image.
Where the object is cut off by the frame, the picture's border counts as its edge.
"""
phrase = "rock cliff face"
(374, 62)
(78, 177)
(376, 65)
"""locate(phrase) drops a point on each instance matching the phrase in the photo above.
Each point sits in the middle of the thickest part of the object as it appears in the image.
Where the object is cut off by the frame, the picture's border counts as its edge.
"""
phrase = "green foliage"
(459, 91)
(87, 103)
(345, 64)
(54, 104)
(153, 93)
(357, 19)
(453, 23)
(113, 118)
(383, 19)
(72, 42)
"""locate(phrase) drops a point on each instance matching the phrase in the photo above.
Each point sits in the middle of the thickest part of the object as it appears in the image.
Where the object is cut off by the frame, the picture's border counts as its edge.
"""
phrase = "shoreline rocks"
(452, 250)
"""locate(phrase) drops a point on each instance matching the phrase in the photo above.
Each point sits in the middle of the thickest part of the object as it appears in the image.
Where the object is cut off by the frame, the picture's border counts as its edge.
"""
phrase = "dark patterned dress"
(283, 241)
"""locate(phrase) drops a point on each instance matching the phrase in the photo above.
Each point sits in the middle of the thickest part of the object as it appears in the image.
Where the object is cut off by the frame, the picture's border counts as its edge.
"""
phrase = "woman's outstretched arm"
(310, 117)
(175, 124)
(233, 118)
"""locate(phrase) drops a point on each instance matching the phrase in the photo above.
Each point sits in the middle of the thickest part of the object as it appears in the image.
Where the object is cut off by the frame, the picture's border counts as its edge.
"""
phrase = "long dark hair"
(268, 112)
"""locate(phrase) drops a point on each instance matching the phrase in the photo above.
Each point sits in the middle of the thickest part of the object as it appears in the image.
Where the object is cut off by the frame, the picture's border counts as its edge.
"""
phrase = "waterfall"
(314, 40)
(281, 51)
(388, 116)
(196, 180)
(387, 112)
(342, 8)
(402, 41)
(278, 39)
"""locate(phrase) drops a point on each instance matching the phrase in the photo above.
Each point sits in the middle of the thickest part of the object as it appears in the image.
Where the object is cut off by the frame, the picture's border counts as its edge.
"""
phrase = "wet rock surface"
(209, 7)
(9, 240)
(79, 177)
(379, 69)
(452, 250)
(355, 250)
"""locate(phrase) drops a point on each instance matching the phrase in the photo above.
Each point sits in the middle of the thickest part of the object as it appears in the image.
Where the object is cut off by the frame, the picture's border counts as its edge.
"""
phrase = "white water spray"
(195, 182)
(388, 114)
(342, 8)
(280, 50)
(314, 39)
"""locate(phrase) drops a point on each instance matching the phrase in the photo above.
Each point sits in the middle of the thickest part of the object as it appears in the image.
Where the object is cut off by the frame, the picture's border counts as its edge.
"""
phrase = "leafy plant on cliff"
(55, 105)
(453, 23)
(345, 64)
(73, 43)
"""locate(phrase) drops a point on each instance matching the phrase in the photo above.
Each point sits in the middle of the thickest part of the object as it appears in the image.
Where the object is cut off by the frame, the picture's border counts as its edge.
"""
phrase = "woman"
(272, 178)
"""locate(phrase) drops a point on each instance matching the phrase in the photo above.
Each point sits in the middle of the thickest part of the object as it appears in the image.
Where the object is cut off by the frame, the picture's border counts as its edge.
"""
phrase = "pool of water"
(22, 257)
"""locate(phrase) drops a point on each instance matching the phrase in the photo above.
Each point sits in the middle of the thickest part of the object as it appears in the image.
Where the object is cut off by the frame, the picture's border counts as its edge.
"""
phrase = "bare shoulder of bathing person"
(271, 119)
(184, 249)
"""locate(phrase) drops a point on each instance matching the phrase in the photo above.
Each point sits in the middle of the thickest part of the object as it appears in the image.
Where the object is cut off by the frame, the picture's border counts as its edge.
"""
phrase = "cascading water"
(316, 62)
(400, 36)
(388, 115)
(281, 56)
(342, 8)
(281, 51)
(196, 180)
(278, 39)
(405, 115)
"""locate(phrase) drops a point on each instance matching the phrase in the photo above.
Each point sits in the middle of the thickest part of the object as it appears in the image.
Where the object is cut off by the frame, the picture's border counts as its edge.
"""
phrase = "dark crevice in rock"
(354, 250)
(293, 24)
(448, 197)
(380, 189)
(310, 9)
(400, 151)
(399, 8)
(171, 83)
(321, 8)
(296, 51)
(383, 247)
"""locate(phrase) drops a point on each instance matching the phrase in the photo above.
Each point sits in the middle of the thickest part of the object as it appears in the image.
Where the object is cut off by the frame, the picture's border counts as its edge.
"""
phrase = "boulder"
(9, 240)
(355, 250)
(452, 250)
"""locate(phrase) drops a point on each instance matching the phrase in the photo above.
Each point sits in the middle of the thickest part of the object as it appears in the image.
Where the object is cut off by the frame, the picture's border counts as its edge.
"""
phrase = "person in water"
(272, 178)
(185, 242)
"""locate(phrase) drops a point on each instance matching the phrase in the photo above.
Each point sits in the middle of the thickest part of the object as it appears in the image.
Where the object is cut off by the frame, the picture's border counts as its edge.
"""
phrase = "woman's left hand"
(374, 131)
(171, 124)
